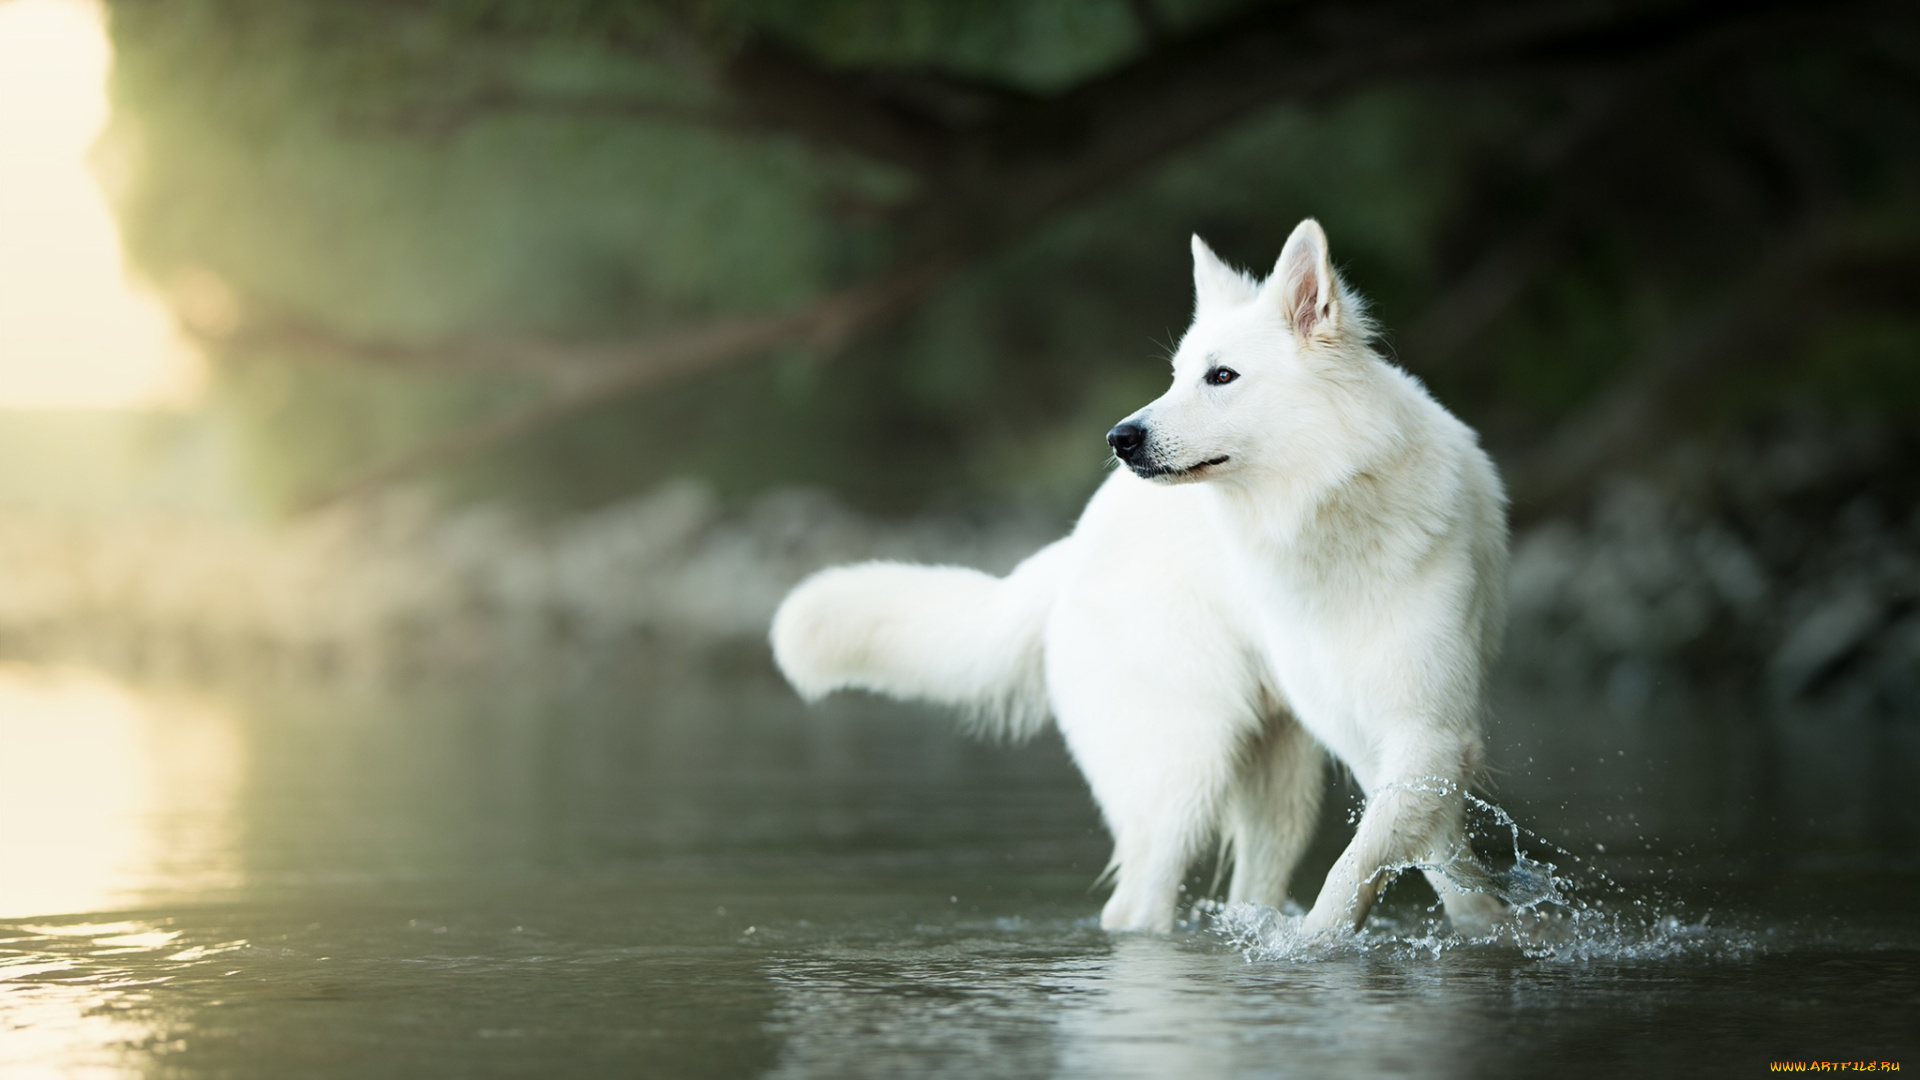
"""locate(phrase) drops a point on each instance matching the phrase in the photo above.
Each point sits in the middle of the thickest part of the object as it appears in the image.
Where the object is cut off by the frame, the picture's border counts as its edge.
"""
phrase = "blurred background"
(360, 355)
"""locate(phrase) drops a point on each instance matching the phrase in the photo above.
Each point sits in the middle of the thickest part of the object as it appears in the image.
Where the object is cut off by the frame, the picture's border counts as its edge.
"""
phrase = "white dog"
(1306, 551)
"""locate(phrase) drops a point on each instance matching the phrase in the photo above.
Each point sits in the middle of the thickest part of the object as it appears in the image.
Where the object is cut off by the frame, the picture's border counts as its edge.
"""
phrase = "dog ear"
(1303, 284)
(1215, 284)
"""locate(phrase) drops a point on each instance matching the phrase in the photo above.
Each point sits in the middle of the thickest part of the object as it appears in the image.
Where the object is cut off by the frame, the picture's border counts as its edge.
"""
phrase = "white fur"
(1336, 583)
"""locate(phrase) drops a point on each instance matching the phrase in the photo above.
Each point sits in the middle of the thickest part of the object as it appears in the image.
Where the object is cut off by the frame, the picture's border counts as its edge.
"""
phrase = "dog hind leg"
(1159, 745)
(1160, 765)
(1154, 843)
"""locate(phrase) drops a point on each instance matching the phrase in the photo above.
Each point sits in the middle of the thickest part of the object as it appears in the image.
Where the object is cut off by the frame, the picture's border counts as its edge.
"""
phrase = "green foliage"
(462, 171)
(275, 164)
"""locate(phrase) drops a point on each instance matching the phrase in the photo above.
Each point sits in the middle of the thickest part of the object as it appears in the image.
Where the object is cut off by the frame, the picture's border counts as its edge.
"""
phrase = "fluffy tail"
(932, 633)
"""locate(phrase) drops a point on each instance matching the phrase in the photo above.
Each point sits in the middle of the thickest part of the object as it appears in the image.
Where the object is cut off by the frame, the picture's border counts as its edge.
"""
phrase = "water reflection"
(108, 797)
(108, 800)
(1166, 1008)
(79, 996)
(1005, 1002)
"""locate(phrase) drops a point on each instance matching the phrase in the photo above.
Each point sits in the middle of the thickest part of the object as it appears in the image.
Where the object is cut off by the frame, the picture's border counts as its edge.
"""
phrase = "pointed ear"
(1215, 284)
(1302, 285)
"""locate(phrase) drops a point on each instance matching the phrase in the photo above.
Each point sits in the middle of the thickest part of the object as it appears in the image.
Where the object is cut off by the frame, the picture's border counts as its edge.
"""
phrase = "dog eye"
(1221, 376)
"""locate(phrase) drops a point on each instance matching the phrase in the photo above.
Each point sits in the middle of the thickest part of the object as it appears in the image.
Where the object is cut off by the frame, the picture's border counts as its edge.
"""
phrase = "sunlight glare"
(108, 797)
(74, 331)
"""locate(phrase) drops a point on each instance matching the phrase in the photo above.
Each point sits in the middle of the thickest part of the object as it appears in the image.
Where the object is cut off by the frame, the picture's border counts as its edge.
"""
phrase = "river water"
(676, 870)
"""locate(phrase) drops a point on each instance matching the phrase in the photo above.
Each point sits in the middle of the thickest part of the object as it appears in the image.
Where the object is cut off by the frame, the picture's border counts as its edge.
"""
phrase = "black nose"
(1126, 439)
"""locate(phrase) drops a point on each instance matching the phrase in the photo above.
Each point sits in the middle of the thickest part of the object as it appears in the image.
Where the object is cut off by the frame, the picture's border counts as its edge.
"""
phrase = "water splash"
(1553, 914)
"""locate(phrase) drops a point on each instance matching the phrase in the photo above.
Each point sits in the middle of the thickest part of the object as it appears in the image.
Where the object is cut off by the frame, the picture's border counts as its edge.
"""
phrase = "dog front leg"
(1271, 811)
(1415, 820)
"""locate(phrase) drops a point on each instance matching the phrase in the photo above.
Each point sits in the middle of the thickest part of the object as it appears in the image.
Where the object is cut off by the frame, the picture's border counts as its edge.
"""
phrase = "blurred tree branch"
(995, 162)
(445, 118)
(1003, 160)
(1825, 269)
(1586, 161)
(614, 373)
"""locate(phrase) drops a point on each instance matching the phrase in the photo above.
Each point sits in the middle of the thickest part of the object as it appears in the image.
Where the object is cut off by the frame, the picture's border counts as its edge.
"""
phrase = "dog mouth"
(1162, 472)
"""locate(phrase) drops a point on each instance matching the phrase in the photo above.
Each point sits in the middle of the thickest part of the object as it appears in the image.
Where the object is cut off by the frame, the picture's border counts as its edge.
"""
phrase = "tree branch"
(825, 324)
(1148, 20)
(1485, 292)
(1806, 279)
(445, 118)
(997, 162)
(548, 360)
(1014, 159)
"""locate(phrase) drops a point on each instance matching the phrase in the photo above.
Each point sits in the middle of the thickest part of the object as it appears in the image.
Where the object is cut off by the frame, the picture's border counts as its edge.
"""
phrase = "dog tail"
(931, 633)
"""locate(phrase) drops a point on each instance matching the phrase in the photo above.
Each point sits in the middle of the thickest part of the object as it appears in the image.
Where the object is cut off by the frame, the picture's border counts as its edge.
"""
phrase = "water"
(680, 872)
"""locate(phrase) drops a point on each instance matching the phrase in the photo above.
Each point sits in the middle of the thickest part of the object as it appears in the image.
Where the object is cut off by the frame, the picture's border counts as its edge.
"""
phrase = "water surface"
(680, 872)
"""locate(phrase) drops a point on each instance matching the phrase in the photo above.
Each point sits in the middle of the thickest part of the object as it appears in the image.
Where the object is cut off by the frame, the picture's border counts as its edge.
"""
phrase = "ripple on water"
(71, 988)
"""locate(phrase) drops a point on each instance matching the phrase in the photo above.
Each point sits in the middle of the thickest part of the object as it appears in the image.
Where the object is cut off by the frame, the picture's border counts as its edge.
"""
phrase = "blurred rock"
(1781, 563)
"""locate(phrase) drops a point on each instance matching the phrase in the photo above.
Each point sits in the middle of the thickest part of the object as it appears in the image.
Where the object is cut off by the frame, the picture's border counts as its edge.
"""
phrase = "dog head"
(1257, 377)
